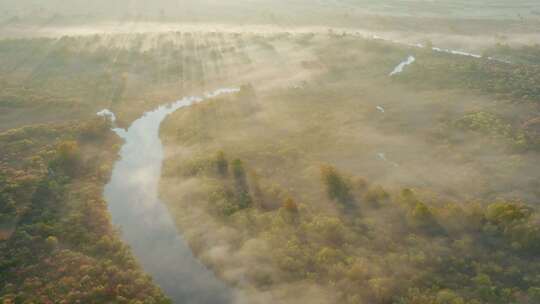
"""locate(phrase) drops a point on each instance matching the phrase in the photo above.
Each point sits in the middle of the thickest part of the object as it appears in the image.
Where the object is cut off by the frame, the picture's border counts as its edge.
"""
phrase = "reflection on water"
(399, 68)
(132, 196)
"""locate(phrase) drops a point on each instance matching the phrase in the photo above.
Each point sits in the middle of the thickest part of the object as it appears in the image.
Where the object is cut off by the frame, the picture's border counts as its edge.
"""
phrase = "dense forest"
(374, 246)
(57, 244)
(325, 179)
(302, 204)
(57, 241)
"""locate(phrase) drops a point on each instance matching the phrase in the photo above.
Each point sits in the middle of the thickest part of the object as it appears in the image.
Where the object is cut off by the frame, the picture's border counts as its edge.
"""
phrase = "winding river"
(145, 223)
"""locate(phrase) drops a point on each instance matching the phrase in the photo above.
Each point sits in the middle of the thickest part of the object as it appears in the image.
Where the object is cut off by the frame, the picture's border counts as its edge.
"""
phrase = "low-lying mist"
(376, 152)
(313, 184)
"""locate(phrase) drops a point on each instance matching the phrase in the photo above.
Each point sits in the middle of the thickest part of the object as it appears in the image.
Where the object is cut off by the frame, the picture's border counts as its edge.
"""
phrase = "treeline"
(494, 128)
(377, 246)
(75, 77)
(104, 70)
(57, 244)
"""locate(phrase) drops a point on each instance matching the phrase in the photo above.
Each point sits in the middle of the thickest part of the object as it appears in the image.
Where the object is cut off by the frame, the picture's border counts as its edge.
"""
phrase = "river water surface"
(145, 223)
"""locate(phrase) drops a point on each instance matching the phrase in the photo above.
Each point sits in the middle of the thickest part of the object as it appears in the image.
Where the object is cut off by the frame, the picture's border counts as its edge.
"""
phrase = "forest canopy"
(261, 152)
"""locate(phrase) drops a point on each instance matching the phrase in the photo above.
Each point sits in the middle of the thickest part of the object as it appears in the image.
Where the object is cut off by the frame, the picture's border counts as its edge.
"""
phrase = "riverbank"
(63, 247)
(144, 220)
(311, 193)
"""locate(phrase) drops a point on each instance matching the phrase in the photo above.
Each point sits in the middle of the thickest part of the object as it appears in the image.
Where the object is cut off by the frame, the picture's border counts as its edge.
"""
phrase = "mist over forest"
(261, 152)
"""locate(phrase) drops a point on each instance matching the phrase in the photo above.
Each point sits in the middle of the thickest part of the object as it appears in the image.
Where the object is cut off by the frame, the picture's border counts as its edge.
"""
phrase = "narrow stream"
(145, 223)
(399, 68)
